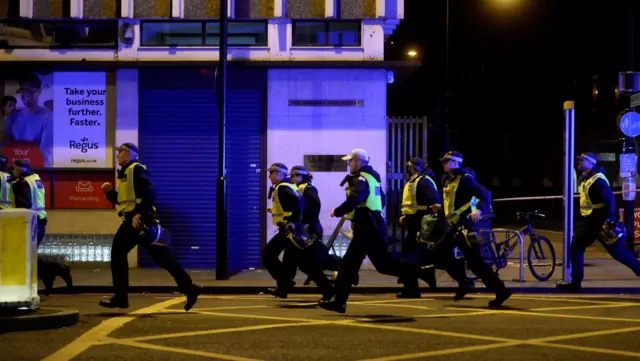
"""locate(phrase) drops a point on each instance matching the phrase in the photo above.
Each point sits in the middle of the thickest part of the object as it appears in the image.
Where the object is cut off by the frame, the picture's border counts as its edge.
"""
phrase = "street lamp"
(412, 53)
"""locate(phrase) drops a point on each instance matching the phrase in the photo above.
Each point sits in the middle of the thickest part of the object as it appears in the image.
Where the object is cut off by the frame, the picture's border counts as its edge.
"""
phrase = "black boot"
(192, 296)
(501, 296)
(282, 291)
(569, 287)
(115, 302)
(464, 287)
(333, 305)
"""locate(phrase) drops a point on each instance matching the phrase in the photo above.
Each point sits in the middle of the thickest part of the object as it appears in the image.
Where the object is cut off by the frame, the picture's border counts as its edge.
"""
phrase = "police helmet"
(154, 233)
(616, 231)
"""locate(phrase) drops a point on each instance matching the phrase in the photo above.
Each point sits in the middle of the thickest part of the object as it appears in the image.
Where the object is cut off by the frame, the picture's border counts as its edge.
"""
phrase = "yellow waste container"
(19, 259)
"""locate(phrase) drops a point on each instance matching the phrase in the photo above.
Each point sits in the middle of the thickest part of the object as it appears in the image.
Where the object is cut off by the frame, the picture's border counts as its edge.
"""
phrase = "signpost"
(569, 185)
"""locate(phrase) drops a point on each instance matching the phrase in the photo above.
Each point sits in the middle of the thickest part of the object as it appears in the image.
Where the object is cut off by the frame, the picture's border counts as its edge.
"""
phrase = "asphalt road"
(382, 328)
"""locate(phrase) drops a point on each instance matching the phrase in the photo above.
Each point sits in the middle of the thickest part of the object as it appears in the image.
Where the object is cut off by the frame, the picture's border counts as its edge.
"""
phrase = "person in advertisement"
(7, 111)
(28, 193)
(134, 200)
(419, 194)
(597, 221)
(466, 200)
(32, 123)
(5, 184)
(363, 206)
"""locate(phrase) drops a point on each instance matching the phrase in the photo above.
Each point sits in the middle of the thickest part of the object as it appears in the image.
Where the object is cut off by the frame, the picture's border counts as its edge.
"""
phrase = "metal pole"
(628, 83)
(569, 187)
(447, 135)
(222, 237)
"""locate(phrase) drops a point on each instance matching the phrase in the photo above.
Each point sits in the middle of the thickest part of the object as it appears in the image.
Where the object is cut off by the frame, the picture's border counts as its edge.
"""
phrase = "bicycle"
(496, 253)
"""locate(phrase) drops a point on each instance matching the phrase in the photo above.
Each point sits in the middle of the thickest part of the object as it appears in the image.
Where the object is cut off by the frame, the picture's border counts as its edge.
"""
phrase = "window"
(326, 33)
(201, 33)
(58, 34)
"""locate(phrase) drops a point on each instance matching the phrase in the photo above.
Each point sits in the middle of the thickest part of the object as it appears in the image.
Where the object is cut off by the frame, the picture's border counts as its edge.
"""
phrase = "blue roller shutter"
(246, 113)
(178, 140)
(179, 146)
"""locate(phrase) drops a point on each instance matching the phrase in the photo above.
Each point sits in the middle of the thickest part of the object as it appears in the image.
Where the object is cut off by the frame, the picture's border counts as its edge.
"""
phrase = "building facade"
(306, 83)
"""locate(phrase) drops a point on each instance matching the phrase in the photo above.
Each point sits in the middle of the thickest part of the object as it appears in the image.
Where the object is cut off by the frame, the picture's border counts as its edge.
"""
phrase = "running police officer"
(419, 194)
(28, 192)
(5, 184)
(300, 250)
(301, 177)
(286, 209)
(363, 207)
(134, 198)
(467, 199)
(597, 210)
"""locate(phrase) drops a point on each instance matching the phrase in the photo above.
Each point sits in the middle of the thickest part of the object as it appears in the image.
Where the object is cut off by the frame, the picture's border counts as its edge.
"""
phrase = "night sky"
(512, 64)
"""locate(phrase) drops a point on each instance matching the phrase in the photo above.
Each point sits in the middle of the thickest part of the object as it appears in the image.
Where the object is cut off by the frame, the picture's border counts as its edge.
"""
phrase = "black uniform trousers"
(125, 240)
(370, 239)
(311, 261)
(587, 231)
(282, 271)
(418, 252)
(472, 253)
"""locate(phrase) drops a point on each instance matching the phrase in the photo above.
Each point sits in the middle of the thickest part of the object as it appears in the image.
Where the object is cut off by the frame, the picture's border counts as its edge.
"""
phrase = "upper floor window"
(326, 33)
(58, 34)
(202, 33)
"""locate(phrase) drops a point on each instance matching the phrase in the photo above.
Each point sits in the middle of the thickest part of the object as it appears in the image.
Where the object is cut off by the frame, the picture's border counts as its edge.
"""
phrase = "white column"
(77, 9)
(177, 8)
(279, 8)
(330, 8)
(26, 8)
(380, 8)
(126, 8)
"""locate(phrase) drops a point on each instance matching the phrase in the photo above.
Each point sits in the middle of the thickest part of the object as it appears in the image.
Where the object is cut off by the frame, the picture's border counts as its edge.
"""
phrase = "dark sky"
(512, 64)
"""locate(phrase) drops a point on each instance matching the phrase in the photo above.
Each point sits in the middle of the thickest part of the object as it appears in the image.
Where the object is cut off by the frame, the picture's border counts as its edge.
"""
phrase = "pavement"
(379, 327)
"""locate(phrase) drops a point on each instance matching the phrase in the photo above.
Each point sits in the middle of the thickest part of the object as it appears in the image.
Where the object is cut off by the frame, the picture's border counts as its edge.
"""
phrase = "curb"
(254, 290)
(41, 319)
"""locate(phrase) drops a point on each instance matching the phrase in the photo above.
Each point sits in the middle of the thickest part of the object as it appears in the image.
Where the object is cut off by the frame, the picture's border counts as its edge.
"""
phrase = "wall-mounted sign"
(81, 191)
(630, 124)
(325, 103)
(325, 163)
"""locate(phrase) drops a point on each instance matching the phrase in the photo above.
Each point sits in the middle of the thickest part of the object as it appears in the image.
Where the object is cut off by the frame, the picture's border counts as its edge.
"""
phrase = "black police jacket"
(468, 188)
(312, 205)
(358, 193)
(289, 201)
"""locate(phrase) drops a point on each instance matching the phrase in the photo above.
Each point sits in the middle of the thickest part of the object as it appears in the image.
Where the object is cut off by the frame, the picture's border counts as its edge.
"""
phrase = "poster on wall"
(55, 120)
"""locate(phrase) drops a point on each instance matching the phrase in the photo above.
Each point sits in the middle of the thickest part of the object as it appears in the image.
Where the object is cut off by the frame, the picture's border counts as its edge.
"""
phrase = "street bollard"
(18, 260)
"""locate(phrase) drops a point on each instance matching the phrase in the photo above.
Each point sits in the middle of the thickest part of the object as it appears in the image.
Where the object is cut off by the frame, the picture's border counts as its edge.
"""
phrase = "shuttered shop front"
(178, 133)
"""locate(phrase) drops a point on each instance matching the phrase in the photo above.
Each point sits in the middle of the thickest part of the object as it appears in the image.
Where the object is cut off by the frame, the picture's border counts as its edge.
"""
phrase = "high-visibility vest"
(302, 187)
(410, 196)
(37, 195)
(449, 195)
(5, 190)
(127, 199)
(277, 213)
(374, 201)
(586, 207)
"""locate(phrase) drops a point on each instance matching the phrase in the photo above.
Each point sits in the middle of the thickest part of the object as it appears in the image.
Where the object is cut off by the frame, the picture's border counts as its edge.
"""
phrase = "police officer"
(286, 211)
(597, 221)
(363, 207)
(5, 184)
(28, 192)
(134, 198)
(418, 195)
(467, 198)
(301, 177)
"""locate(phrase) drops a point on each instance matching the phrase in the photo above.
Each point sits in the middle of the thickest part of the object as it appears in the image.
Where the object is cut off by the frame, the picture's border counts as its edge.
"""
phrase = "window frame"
(113, 22)
(204, 36)
(327, 24)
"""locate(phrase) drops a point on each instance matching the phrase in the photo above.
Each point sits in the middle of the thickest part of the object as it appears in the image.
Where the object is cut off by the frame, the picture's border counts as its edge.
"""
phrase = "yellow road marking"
(185, 351)
(228, 308)
(592, 349)
(461, 314)
(558, 315)
(261, 317)
(584, 307)
(390, 305)
(96, 334)
(393, 300)
(445, 352)
(210, 332)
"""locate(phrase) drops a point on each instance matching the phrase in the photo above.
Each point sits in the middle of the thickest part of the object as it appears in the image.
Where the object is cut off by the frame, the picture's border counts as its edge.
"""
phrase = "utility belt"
(296, 234)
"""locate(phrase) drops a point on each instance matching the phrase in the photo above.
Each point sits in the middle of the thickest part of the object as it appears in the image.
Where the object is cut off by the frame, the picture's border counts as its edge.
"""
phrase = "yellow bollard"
(18, 259)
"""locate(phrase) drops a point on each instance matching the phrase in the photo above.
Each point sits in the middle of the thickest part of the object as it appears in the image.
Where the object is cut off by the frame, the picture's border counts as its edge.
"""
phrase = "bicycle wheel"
(541, 256)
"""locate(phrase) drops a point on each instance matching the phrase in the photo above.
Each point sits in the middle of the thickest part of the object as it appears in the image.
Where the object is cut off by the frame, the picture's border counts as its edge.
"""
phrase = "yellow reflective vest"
(127, 199)
(374, 201)
(5, 190)
(37, 195)
(410, 195)
(277, 213)
(586, 207)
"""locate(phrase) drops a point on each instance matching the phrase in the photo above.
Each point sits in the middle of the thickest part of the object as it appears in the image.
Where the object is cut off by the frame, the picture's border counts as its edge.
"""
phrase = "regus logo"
(84, 145)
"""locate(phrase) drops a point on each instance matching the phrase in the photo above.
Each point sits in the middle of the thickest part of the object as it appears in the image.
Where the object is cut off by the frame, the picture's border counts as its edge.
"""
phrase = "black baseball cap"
(298, 170)
(128, 146)
(452, 155)
(588, 156)
(19, 163)
(278, 167)
(416, 162)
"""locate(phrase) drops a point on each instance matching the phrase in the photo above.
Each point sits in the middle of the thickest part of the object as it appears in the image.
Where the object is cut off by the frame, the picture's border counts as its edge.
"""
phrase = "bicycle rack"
(508, 234)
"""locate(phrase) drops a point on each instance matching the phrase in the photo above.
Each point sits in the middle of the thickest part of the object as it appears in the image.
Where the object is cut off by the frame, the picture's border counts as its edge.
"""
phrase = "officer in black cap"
(29, 193)
(5, 184)
(467, 200)
(597, 221)
(419, 194)
(134, 200)
(286, 213)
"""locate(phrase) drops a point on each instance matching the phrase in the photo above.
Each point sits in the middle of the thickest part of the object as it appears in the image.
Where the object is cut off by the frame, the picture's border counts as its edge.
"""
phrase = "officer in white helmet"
(597, 221)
